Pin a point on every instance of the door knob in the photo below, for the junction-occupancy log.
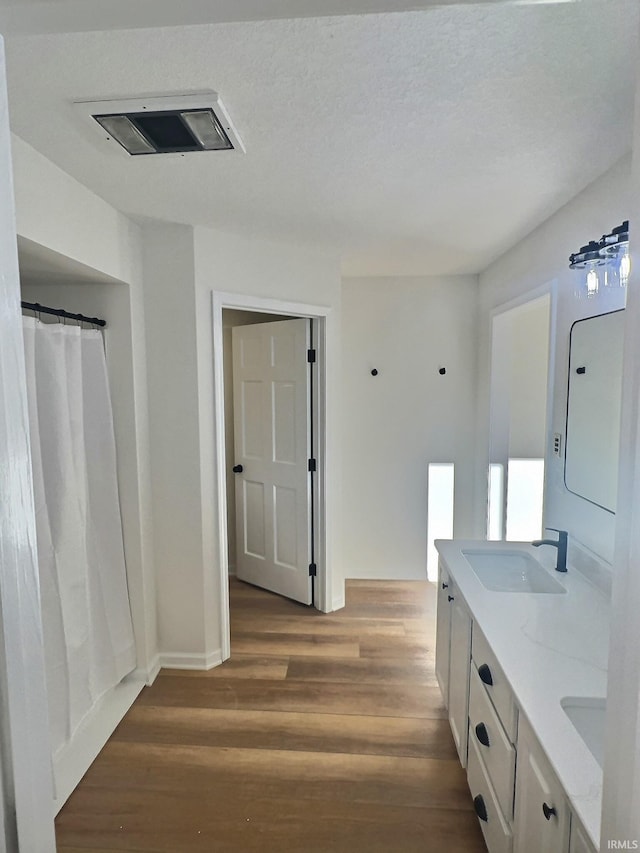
(238, 469)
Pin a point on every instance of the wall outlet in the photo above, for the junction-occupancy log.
(557, 444)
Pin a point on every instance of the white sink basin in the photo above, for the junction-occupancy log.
(587, 716)
(511, 571)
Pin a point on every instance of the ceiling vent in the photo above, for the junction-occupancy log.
(177, 125)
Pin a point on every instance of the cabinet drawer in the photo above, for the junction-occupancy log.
(497, 751)
(496, 831)
(498, 690)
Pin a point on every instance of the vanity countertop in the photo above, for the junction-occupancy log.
(549, 647)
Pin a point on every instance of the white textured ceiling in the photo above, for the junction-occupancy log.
(412, 143)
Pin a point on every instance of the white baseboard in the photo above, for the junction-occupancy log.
(338, 602)
(150, 674)
(179, 660)
(75, 758)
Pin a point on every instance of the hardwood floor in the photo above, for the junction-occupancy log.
(322, 734)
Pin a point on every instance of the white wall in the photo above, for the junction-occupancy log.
(297, 273)
(182, 266)
(27, 791)
(176, 466)
(164, 349)
(529, 364)
(409, 415)
(65, 220)
(621, 793)
(56, 211)
(518, 424)
(540, 258)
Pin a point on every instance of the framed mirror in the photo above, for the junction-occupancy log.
(593, 408)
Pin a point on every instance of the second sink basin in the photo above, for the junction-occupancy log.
(587, 715)
(511, 571)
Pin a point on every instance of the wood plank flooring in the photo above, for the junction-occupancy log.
(321, 734)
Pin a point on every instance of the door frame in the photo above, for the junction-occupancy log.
(321, 315)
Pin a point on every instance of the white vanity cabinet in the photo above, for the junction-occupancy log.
(459, 666)
(579, 842)
(453, 655)
(542, 817)
(492, 751)
(496, 830)
(533, 791)
(443, 633)
(494, 681)
(494, 747)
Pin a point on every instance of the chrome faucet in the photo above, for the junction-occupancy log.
(560, 544)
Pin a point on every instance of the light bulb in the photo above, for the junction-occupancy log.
(592, 283)
(610, 273)
(625, 268)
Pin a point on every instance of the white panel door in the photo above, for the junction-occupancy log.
(272, 449)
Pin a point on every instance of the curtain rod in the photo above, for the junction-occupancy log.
(60, 312)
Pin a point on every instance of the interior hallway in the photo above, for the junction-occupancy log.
(322, 734)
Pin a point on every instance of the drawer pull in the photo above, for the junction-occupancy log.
(479, 806)
(485, 674)
(548, 811)
(450, 597)
(482, 734)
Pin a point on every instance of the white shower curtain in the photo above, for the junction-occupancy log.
(88, 633)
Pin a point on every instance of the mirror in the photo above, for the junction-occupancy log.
(593, 408)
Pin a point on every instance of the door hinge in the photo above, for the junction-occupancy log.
(313, 570)
(311, 356)
(312, 465)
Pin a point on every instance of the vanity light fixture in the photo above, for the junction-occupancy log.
(615, 248)
(588, 258)
(606, 262)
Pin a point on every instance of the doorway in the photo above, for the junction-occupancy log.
(520, 359)
(236, 311)
(268, 375)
